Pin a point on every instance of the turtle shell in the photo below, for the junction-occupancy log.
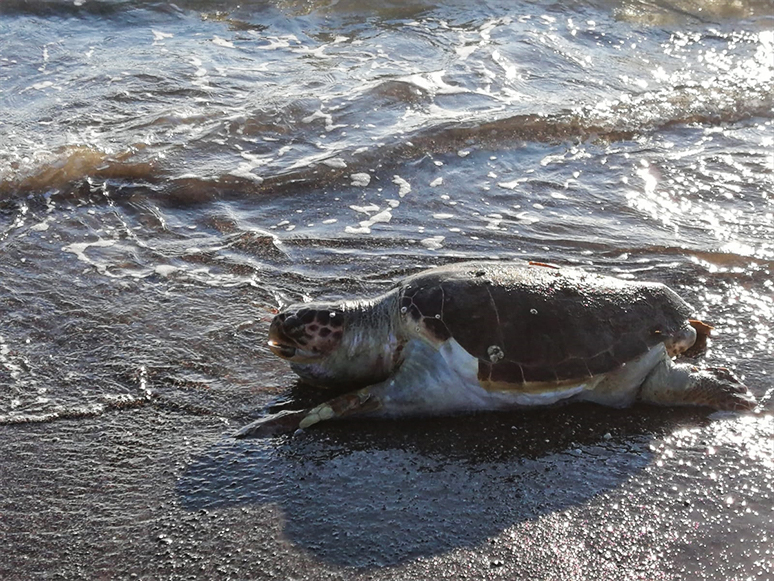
(536, 323)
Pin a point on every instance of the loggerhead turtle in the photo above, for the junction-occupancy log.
(497, 335)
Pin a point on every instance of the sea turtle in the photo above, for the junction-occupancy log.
(497, 335)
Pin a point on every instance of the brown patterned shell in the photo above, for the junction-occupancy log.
(535, 323)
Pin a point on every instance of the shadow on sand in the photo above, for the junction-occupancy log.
(378, 493)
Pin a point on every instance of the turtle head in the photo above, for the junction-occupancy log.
(304, 334)
(334, 345)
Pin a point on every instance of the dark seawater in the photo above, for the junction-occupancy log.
(172, 172)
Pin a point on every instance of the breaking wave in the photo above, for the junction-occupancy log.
(616, 120)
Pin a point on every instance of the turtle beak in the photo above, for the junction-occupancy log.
(282, 350)
(283, 332)
(279, 342)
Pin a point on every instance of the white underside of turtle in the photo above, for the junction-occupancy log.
(443, 381)
(494, 336)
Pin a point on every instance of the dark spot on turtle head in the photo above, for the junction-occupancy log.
(414, 313)
(324, 332)
(337, 335)
(313, 328)
(306, 315)
(293, 326)
(296, 333)
(324, 317)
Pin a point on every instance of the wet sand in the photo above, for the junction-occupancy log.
(572, 493)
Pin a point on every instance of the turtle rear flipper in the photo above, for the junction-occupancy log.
(717, 387)
(684, 384)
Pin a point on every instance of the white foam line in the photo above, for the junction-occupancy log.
(5, 361)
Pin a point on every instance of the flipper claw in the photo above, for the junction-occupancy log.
(318, 414)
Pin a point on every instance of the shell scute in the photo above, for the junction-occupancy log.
(437, 328)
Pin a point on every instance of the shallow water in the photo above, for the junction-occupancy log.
(170, 173)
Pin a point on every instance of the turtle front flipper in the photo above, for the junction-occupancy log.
(356, 402)
(684, 384)
(273, 425)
